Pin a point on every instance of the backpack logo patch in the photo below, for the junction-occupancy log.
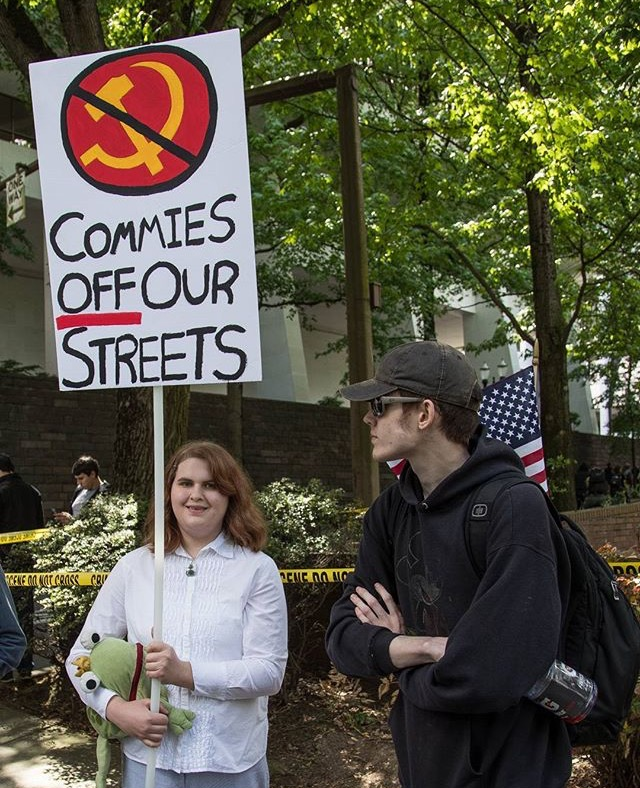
(479, 510)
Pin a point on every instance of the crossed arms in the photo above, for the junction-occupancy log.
(405, 651)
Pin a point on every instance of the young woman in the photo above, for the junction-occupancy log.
(224, 645)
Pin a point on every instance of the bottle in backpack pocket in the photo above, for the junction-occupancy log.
(564, 692)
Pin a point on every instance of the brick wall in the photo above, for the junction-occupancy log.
(45, 430)
(601, 449)
(617, 525)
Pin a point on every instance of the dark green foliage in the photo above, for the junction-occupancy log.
(10, 366)
(309, 526)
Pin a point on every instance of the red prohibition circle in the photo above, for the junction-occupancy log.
(140, 122)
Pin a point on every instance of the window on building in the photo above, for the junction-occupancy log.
(16, 121)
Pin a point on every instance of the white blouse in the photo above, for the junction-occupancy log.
(229, 620)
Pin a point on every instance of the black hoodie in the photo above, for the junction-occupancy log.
(20, 505)
(463, 721)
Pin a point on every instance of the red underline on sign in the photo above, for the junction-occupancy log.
(95, 319)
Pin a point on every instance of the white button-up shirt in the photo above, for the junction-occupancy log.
(229, 620)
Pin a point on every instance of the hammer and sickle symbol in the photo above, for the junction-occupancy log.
(147, 152)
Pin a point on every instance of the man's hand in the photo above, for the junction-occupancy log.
(63, 517)
(162, 663)
(136, 719)
(370, 611)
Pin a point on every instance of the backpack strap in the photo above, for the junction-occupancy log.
(479, 516)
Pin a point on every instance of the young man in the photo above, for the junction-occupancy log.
(465, 650)
(86, 472)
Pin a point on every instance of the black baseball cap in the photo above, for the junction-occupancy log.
(430, 369)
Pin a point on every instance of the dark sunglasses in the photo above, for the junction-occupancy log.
(378, 404)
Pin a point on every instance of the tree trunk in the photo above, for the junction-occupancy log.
(234, 420)
(176, 417)
(20, 38)
(133, 448)
(551, 334)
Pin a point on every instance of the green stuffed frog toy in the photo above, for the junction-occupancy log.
(119, 666)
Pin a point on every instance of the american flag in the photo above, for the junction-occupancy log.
(509, 410)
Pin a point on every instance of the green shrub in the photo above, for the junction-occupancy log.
(308, 523)
(108, 528)
(309, 526)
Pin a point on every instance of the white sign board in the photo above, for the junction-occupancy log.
(16, 202)
(147, 204)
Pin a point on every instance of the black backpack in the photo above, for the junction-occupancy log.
(601, 635)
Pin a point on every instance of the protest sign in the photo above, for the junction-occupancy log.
(147, 206)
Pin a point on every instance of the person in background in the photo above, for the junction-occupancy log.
(12, 639)
(597, 488)
(616, 482)
(465, 649)
(20, 510)
(224, 647)
(86, 472)
(582, 480)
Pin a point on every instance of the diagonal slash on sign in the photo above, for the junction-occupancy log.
(134, 123)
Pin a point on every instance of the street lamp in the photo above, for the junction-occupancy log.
(485, 372)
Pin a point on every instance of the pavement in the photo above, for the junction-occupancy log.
(38, 753)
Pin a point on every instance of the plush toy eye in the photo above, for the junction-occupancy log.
(90, 639)
(89, 681)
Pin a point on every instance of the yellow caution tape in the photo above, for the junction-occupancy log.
(51, 579)
(333, 575)
(313, 575)
(625, 568)
(23, 536)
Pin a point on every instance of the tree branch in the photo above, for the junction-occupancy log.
(81, 26)
(270, 23)
(294, 302)
(457, 254)
(466, 40)
(581, 292)
(21, 39)
(218, 15)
